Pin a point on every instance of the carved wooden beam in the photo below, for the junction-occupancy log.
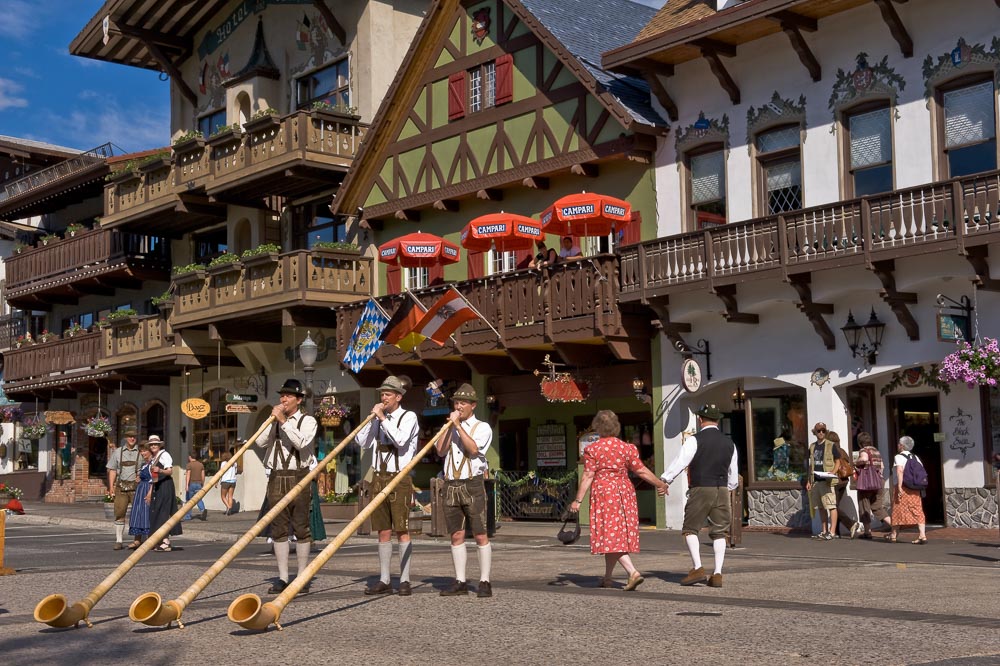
(490, 195)
(447, 205)
(896, 27)
(801, 49)
(977, 257)
(722, 48)
(152, 37)
(726, 81)
(814, 311)
(806, 23)
(331, 21)
(174, 73)
(897, 300)
(727, 294)
(536, 183)
(671, 329)
(585, 170)
(407, 215)
(661, 94)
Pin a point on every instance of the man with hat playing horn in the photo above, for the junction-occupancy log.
(290, 453)
(393, 434)
(710, 458)
(123, 469)
(465, 491)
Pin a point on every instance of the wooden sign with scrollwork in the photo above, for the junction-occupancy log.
(561, 386)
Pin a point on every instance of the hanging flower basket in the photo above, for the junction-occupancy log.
(330, 413)
(975, 364)
(11, 414)
(33, 429)
(330, 421)
(97, 426)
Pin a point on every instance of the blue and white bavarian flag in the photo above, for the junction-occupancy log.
(365, 341)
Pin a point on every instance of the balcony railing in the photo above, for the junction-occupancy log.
(955, 213)
(50, 361)
(145, 341)
(301, 277)
(53, 173)
(11, 328)
(84, 254)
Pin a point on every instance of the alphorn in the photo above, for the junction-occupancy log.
(150, 609)
(247, 610)
(54, 609)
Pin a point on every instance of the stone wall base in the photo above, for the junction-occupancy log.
(971, 507)
(778, 508)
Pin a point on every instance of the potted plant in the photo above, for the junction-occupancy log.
(20, 247)
(337, 246)
(125, 172)
(45, 336)
(339, 506)
(975, 364)
(109, 505)
(225, 134)
(23, 340)
(165, 301)
(33, 428)
(188, 273)
(262, 120)
(332, 113)
(73, 229)
(155, 161)
(74, 329)
(49, 238)
(10, 492)
(331, 414)
(97, 426)
(262, 254)
(224, 263)
(121, 316)
(189, 142)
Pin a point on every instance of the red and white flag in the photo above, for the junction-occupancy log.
(445, 316)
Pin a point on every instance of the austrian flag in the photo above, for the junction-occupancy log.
(445, 316)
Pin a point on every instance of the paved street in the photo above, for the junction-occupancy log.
(929, 604)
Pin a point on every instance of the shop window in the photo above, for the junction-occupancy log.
(706, 175)
(416, 278)
(968, 127)
(991, 423)
(502, 262)
(869, 152)
(331, 84)
(482, 87)
(778, 436)
(210, 123)
(215, 434)
(779, 162)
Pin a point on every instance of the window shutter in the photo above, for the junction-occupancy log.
(456, 95)
(632, 233)
(474, 261)
(435, 274)
(505, 79)
(393, 280)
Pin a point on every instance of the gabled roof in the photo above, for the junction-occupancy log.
(16, 146)
(676, 13)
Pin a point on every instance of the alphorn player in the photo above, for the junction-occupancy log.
(393, 434)
(465, 466)
(123, 470)
(290, 444)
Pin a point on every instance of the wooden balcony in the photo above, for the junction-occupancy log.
(12, 326)
(954, 216)
(92, 262)
(251, 300)
(51, 188)
(60, 367)
(568, 311)
(291, 156)
(145, 349)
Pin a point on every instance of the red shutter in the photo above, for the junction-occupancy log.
(393, 280)
(522, 258)
(475, 263)
(632, 233)
(505, 79)
(435, 274)
(457, 93)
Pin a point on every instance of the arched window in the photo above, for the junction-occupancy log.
(216, 433)
(242, 237)
(127, 415)
(154, 420)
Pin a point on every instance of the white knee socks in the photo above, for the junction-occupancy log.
(404, 560)
(384, 559)
(719, 546)
(119, 532)
(692, 543)
(281, 554)
(485, 561)
(458, 556)
(302, 555)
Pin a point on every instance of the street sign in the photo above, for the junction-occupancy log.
(241, 397)
(195, 408)
(240, 408)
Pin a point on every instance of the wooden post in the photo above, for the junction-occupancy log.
(438, 528)
(4, 571)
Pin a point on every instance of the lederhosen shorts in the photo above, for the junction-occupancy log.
(296, 514)
(125, 490)
(394, 512)
(465, 499)
(711, 503)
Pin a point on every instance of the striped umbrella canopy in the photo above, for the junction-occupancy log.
(586, 214)
(418, 250)
(503, 232)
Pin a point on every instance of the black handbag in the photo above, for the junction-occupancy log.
(570, 534)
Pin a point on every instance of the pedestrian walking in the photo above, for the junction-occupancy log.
(227, 484)
(164, 500)
(870, 484)
(844, 517)
(194, 480)
(907, 504)
(122, 466)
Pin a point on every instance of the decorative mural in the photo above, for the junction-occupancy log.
(703, 130)
(481, 24)
(864, 82)
(314, 37)
(961, 435)
(963, 55)
(776, 111)
(210, 82)
(916, 376)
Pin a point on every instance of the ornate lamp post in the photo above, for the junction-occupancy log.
(308, 351)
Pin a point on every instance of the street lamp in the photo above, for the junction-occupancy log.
(873, 331)
(308, 351)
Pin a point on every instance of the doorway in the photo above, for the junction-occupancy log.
(513, 445)
(920, 418)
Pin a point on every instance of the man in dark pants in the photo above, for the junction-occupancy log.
(290, 443)
(711, 460)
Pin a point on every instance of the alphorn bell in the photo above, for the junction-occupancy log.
(247, 610)
(150, 609)
(54, 610)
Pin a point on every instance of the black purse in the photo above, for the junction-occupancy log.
(569, 534)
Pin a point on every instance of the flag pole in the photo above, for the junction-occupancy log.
(473, 308)
(417, 301)
(380, 308)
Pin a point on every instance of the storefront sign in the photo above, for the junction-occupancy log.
(550, 445)
(59, 417)
(691, 375)
(195, 408)
(564, 389)
(241, 397)
(952, 327)
(240, 408)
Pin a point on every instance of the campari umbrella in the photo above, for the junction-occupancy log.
(502, 232)
(418, 250)
(586, 214)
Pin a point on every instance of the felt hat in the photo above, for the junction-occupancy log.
(393, 383)
(292, 387)
(465, 392)
(155, 439)
(779, 442)
(129, 431)
(710, 412)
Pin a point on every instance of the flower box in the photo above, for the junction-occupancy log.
(155, 165)
(189, 145)
(225, 138)
(190, 276)
(332, 116)
(261, 124)
(122, 177)
(261, 259)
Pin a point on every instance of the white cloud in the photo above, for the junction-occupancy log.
(132, 128)
(9, 97)
(27, 72)
(20, 19)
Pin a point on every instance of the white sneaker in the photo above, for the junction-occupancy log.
(855, 528)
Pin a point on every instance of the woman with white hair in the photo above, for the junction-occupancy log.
(907, 507)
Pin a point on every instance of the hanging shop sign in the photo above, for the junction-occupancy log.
(195, 408)
(240, 408)
(561, 386)
(691, 375)
(59, 417)
(240, 397)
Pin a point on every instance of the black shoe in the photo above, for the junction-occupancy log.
(278, 587)
(204, 515)
(378, 588)
(457, 588)
(405, 590)
(485, 589)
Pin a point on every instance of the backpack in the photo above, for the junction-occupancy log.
(914, 474)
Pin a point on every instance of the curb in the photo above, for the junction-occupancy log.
(103, 525)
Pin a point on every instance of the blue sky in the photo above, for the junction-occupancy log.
(48, 95)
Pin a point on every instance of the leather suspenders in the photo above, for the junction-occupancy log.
(456, 470)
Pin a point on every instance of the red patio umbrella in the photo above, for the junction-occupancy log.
(503, 232)
(586, 214)
(419, 249)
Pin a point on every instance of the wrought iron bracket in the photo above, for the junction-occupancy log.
(701, 348)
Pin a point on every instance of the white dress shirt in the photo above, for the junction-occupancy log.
(688, 449)
(290, 437)
(482, 434)
(398, 430)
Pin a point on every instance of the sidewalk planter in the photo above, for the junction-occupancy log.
(109, 510)
(336, 511)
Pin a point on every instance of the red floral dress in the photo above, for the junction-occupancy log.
(614, 512)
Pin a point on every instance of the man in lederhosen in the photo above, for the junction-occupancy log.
(290, 453)
(123, 468)
(393, 434)
(465, 464)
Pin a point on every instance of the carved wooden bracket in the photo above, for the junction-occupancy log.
(814, 311)
(408, 215)
(490, 195)
(727, 294)
(897, 300)
(447, 205)
(585, 170)
(711, 50)
(536, 183)
(661, 94)
(669, 328)
(792, 24)
(896, 27)
(174, 73)
(977, 257)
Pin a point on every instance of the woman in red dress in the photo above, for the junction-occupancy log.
(614, 512)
